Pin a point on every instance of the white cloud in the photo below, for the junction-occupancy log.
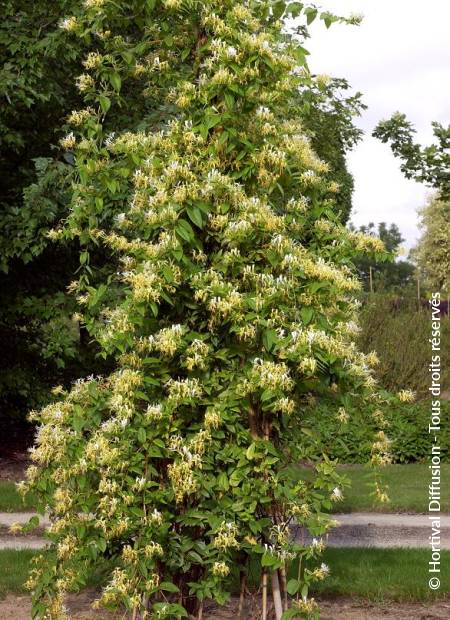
(399, 58)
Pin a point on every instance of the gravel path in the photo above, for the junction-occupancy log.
(354, 530)
(8, 518)
(387, 530)
(22, 542)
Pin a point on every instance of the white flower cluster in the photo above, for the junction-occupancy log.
(273, 376)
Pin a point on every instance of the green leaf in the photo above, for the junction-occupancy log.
(229, 101)
(278, 9)
(154, 308)
(142, 436)
(295, 8)
(311, 15)
(307, 314)
(250, 453)
(292, 586)
(222, 482)
(195, 215)
(289, 614)
(213, 120)
(168, 586)
(174, 609)
(184, 229)
(115, 80)
(38, 609)
(142, 395)
(268, 560)
(269, 339)
(105, 103)
(203, 129)
(101, 544)
(33, 522)
(328, 18)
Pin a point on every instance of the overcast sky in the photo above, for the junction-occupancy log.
(399, 58)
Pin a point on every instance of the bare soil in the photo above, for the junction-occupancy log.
(13, 466)
(19, 608)
(16, 437)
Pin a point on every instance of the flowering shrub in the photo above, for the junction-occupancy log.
(229, 303)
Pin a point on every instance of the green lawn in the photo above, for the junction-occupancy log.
(408, 488)
(11, 501)
(14, 566)
(370, 574)
(383, 574)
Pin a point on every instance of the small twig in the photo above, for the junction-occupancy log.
(242, 595)
(264, 595)
(200, 611)
(283, 580)
(276, 595)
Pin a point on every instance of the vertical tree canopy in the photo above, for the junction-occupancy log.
(227, 303)
(432, 251)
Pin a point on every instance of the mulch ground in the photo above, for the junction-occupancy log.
(19, 608)
(16, 437)
(13, 466)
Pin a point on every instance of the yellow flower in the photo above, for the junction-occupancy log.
(406, 396)
(16, 528)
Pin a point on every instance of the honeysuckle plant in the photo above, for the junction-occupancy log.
(230, 304)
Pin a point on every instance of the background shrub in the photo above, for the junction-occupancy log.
(398, 331)
(407, 428)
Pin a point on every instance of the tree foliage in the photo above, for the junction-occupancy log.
(430, 164)
(36, 89)
(432, 251)
(388, 275)
(328, 113)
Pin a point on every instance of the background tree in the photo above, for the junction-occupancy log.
(36, 91)
(430, 164)
(387, 275)
(328, 113)
(432, 253)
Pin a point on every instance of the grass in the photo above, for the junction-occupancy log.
(408, 488)
(14, 567)
(383, 574)
(11, 501)
(370, 574)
